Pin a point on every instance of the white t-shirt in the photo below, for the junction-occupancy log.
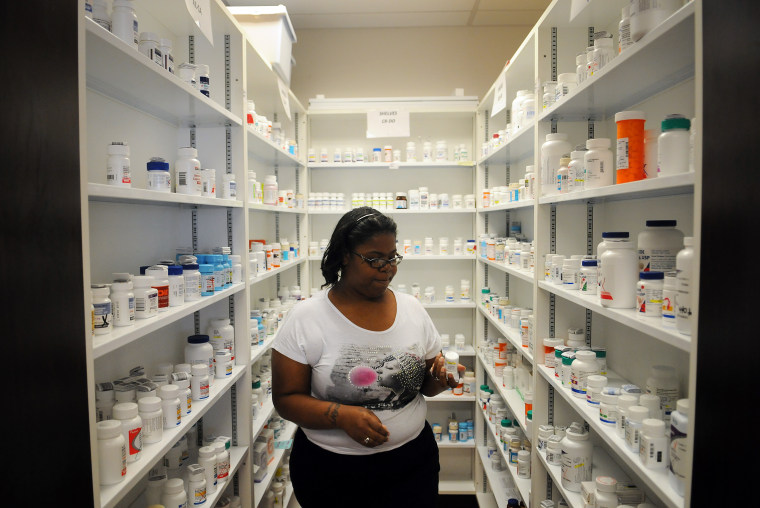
(382, 371)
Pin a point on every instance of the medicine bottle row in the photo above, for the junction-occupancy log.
(509, 251)
(522, 190)
(189, 177)
(267, 256)
(518, 319)
(261, 384)
(509, 370)
(428, 153)
(455, 431)
(270, 130)
(511, 447)
(264, 446)
(266, 319)
(641, 154)
(269, 193)
(429, 293)
(274, 496)
(654, 278)
(523, 113)
(414, 199)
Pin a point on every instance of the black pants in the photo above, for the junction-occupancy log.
(404, 477)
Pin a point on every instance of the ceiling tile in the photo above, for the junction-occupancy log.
(362, 6)
(317, 21)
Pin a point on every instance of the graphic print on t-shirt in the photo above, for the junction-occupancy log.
(377, 377)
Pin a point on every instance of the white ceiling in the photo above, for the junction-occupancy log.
(320, 14)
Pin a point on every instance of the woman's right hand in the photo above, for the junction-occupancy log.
(360, 423)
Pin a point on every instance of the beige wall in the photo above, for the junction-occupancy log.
(396, 62)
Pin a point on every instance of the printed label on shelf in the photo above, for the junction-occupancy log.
(283, 445)
(200, 11)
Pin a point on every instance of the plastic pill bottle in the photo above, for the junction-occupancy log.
(124, 23)
(554, 450)
(170, 406)
(131, 428)
(182, 380)
(597, 161)
(608, 411)
(584, 366)
(563, 183)
(618, 276)
(684, 264)
(103, 309)
(159, 177)
(634, 415)
(577, 453)
(123, 302)
(554, 148)
(523, 464)
(165, 45)
(658, 245)
(199, 383)
(187, 169)
(162, 286)
(118, 166)
(654, 444)
(630, 146)
(663, 382)
(204, 83)
(588, 283)
(199, 350)
(112, 452)
(149, 46)
(174, 494)
(192, 287)
(207, 279)
(207, 459)
(606, 492)
(649, 294)
(594, 385)
(176, 286)
(196, 485)
(149, 409)
(100, 14)
(679, 457)
(624, 402)
(571, 274)
(645, 15)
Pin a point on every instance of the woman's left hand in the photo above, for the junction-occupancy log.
(444, 380)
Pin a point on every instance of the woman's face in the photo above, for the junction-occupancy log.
(387, 371)
(359, 276)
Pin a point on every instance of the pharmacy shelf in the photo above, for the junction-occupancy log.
(511, 397)
(395, 211)
(527, 276)
(661, 59)
(456, 487)
(500, 492)
(273, 272)
(265, 412)
(237, 457)
(453, 305)
(112, 194)
(656, 480)
(519, 147)
(288, 495)
(387, 165)
(110, 495)
(120, 336)
(626, 317)
(522, 484)
(446, 443)
(268, 152)
(119, 71)
(274, 209)
(467, 351)
(514, 205)
(438, 257)
(511, 335)
(259, 350)
(447, 397)
(662, 186)
(259, 489)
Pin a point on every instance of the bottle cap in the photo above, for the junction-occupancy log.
(673, 122)
(661, 223)
(124, 410)
(651, 275)
(108, 429)
(149, 404)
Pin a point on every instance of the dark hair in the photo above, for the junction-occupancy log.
(353, 229)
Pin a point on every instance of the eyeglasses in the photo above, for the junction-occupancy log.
(380, 262)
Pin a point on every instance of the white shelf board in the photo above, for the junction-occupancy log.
(444, 305)
(445, 443)
(511, 397)
(110, 495)
(273, 209)
(661, 59)
(626, 317)
(517, 148)
(656, 480)
(509, 269)
(511, 335)
(265, 412)
(447, 397)
(514, 205)
(672, 185)
(273, 272)
(266, 151)
(237, 456)
(113, 194)
(258, 351)
(120, 336)
(387, 165)
(117, 70)
(439, 257)
(522, 484)
(395, 211)
(456, 487)
(259, 489)
(494, 478)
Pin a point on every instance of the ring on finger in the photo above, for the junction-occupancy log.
(366, 440)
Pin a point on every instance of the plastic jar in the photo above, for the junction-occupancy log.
(673, 146)
(598, 164)
(550, 346)
(679, 457)
(554, 148)
(669, 291)
(146, 297)
(684, 265)
(577, 453)
(165, 45)
(199, 382)
(401, 201)
(199, 350)
(221, 335)
(176, 286)
(565, 372)
(118, 167)
(658, 245)
(270, 190)
(650, 152)
(606, 492)
(608, 412)
(652, 403)
(576, 171)
(159, 177)
(549, 96)
(608, 237)
(170, 406)
(162, 286)
(112, 452)
(571, 274)
(649, 294)
(594, 385)
(517, 119)
(523, 464)
(584, 366)
(411, 152)
(646, 15)
(187, 170)
(624, 29)
(186, 72)
(196, 484)
(100, 14)
(103, 311)
(554, 450)
(563, 183)
(580, 67)
(603, 52)
(441, 151)
(624, 402)
(149, 46)
(131, 428)
(630, 146)
(182, 380)
(566, 83)
(634, 416)
(149, 409)
(229, 186)
(192, 287)
(124, 23)
(588, 277)
(653, 447)
(207, 460)
(663, 382)
(204, 83)
(618, 276)
(174, 494)
(528, 109)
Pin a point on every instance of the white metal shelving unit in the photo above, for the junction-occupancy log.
(657, 75)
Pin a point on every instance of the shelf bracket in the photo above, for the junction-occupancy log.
(233, 403)
(191, 49)
(548, 486)
(554, 54)
(227, 76)
(590, 133)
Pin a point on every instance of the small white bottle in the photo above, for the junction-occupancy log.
(131, 428)
(112, 452)
(618, 275)
(174, 495)
(588, 284)
(679, 467)
(555, 147)
(624, 402)
(523, 464)
(649, 294)
(123, 303)
(204, 83)
(669, 292)
(165, 45)
(563, 183)
(146, 297)
(182, 380)
(118, 168)
(634, 417)
(199, 383)
(598, 164)
(150, 411)
(605, 495)
(673, 146)
(103, 309)
(207, 459)
(608, 410)
(653, 446)
(624, 29)
(124, 22)
(585, 365)
(684, 264)
(222, 460)
(149, 46)
(196, 485)
(170, 406)
(663, 382)
(187, 170)
(577, 453)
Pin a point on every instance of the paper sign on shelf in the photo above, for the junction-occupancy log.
(388, 123)
(500, 94)
(200, 10)
(576, 6)
(283, 445)
(284, 96)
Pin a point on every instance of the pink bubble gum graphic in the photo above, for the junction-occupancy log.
(362, 376)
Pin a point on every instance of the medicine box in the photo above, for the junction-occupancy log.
(269, 30)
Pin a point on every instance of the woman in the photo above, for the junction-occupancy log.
(350, 366)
